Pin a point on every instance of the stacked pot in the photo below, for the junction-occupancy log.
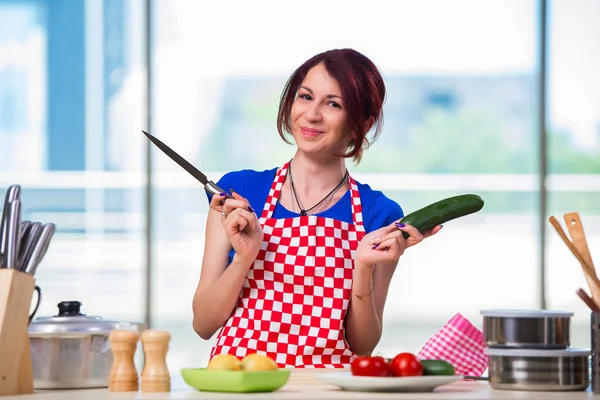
(530, 350)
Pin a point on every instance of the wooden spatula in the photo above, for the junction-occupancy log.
(573, 222)
(587, 300)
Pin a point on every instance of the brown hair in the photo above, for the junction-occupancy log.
(363, 91)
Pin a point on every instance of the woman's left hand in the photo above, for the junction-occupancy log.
(388, 243)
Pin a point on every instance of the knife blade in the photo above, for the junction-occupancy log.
(209, 186)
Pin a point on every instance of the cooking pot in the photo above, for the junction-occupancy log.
(527, 329)
(539, 369)
(71, 350)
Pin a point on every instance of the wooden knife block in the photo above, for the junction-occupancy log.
(16, 293)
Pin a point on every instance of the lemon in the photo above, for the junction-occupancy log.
(258, 362)
(224, 362)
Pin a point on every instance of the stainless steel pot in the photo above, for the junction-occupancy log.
(71, 350)
(540, 370)
(527, 329)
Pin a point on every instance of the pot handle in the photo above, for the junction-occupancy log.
(37, 304)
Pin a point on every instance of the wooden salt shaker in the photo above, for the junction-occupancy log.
(155, 375)
(123, 374)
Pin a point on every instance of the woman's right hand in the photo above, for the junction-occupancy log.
(241, 226)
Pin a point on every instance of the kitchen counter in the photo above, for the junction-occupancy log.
(180, 390)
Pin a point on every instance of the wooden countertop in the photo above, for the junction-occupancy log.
(465, 390)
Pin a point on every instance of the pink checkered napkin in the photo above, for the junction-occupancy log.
(459, 343)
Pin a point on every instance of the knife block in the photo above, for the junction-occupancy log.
(16, 293)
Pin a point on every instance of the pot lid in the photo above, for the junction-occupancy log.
(571, 352)
(526, 313)
(70, 320)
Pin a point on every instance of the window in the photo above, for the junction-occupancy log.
(71, 106)
(573, 150)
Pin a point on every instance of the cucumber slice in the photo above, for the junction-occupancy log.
(437, 367)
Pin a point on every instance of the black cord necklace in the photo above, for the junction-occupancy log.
(303, 211)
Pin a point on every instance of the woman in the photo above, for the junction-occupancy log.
(304, 279)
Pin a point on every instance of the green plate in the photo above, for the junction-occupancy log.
(235, 381)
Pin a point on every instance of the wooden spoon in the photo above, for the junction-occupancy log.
(587, 269)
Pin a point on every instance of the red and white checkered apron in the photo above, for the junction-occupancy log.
(296, 294)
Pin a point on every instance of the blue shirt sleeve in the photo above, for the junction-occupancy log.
(381, 212)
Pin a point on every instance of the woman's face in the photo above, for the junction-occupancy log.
(319, 121)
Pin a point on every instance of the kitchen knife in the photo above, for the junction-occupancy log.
(41, 248)
(13, 234)
(209, 186)
(32, 239)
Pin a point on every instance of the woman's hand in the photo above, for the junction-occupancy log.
(388, 244)
(241, 225)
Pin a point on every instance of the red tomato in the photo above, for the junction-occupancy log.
(406, 364)
(370, 366)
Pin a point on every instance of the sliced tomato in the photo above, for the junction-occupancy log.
(370, 366)
(406, 364)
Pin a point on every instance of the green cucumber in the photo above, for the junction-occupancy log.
(443, 211)
(437, 367)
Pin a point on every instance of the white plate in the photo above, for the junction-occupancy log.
(347, 381)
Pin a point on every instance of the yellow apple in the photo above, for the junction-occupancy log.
(224, 362)
(258, 362)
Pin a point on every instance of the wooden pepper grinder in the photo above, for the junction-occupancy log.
(155, 375)
(123, 374)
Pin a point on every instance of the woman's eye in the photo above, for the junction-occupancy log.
(334, 104)
(305, 96)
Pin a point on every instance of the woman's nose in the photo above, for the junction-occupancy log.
(313, 113)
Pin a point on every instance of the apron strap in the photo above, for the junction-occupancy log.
(275, 192)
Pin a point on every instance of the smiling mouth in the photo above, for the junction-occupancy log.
(310, 132)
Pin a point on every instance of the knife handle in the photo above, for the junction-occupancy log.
(33, 237)
(212, 189)
(41, 248)
(13, 193)
(13, 234)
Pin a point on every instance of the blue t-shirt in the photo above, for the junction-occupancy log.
(377, 209)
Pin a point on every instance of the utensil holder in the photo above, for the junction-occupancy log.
(16, 292)
(595, 339)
